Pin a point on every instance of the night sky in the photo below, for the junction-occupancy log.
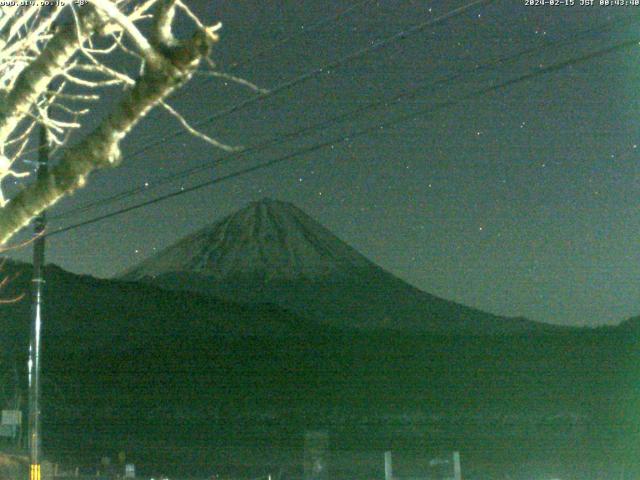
(521, 201)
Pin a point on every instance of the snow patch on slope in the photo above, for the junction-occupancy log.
(266, 240)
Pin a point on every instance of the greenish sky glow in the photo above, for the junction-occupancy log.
(523, 201)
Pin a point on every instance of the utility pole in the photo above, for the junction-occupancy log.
(388, 466)
(457, 471)
(35, 440)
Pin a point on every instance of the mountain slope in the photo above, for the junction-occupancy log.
(271, 251)
(162, 374)
(266, 241)
(85, 312)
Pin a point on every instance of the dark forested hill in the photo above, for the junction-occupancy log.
(184, 382)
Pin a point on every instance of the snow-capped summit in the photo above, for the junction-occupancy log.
(266, 240)
(272, 252)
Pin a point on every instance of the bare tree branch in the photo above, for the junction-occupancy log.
(196, 133)
(34, 80)
(171, 65)
(139, 40)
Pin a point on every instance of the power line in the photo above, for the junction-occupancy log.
(304, 77)
(406, 94)
(260, 53)
(320, 70)
(319, 146)
(319, 24)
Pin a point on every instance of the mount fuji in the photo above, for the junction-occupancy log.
(273, 252)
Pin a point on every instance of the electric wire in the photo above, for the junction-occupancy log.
(381, 43)
(319, 24)
(262, 52)
(288, 38)
(303, 78)
(334, 141)
(286, 137)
